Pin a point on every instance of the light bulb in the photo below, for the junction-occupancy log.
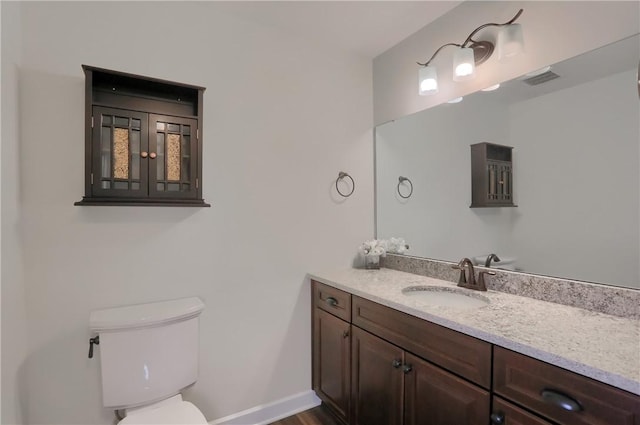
(427, 81)
(463, 64)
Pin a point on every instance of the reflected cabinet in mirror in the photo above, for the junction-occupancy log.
(575, 134)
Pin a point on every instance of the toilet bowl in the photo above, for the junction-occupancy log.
(148, 355)
(172, 411)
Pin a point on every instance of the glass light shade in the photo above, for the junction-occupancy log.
(427, 81)
(510, 42)
(464, 66)
(492, 88)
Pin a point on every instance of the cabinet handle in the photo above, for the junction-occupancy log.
(332, 301)
(497, 419)
(396, 363)
(407, 368)
(144, 154)
(152, 155)
(345, 334)
(560, 400)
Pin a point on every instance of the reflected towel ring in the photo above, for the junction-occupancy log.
(401, 180)
(341, 176)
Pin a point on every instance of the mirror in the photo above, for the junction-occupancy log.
(576, 173)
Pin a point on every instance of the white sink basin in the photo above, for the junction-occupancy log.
(446, 297)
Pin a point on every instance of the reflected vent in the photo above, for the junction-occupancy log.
(542, 78)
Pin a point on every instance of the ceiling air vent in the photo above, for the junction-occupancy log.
(542, 78)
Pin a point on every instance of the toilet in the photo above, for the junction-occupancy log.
(148, 355)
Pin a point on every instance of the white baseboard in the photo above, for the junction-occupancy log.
(271, 412)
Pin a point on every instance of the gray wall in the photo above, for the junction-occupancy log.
(281, 117)
(14, 308)
(577, 181)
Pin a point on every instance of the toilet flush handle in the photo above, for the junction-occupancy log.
(96, 341)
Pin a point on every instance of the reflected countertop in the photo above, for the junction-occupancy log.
(603, 347)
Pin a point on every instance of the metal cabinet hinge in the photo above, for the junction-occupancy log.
(92, 121)
(91, 178)
(197, 134)
(196, 183)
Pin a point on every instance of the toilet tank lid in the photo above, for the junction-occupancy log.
(145, 315)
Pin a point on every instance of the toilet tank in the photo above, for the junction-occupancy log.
(148, 352)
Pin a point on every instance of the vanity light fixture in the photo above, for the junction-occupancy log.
(471, 53)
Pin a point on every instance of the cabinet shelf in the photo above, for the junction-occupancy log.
(113, 202)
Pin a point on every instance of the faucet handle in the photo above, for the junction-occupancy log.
(481, 283)
(462, 279)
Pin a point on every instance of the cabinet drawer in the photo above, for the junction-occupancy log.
(332, 300)
(523, 380)
(508, 414)
(461, 354)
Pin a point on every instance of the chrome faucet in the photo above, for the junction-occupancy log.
(466, 269)
(493, 257)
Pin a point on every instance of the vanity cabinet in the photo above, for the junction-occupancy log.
(394, 387)
(377, 380)
(374, 365)
(391, 382)
(505, 413)
(491, 175)
(436, 397)
(559, 395)
(331, 374)
(143, 140)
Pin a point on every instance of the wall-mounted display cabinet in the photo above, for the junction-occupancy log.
(143, 141)
(491, 175)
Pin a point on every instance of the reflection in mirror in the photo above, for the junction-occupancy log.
(576, 178)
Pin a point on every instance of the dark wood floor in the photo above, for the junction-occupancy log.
(317, 416)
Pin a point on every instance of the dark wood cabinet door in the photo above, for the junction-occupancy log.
(332, 362)
(377, 380)
(119, 145)
(173, 151)
(505, 413)
(434, 396)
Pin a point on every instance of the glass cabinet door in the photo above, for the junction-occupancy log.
(119, 151)
(172, 157)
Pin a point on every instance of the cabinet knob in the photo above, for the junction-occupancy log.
(396, 363)
(152, 155)
(497, 419)
(144, 154)
(345, 334)
(407, 368)
(330, 300)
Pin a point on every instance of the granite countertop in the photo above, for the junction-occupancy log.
(603, 347)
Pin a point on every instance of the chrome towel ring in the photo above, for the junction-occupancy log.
(341, 176)
(401, 180)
